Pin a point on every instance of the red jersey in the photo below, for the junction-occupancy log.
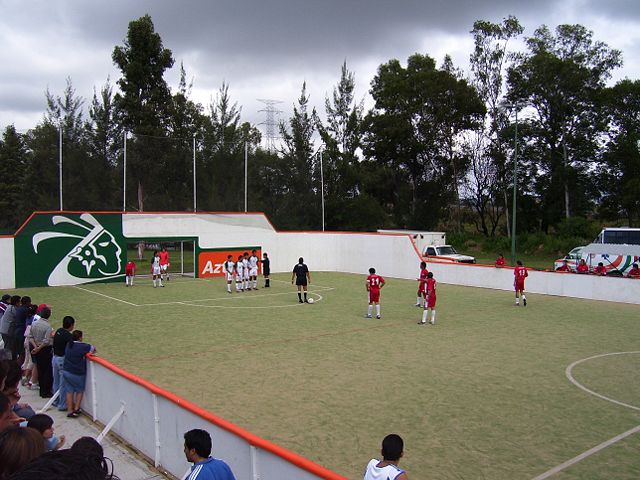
(520, 273)
(423, 275)
(130, 268)
(563, 268)
(600, 270)
(500, 262)
(582, 268)
(374, 282)
(634, 273)
(431, 286)
(164, 257)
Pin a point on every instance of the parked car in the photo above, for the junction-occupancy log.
(446, 252)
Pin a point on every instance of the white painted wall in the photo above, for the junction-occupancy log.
(7, 263)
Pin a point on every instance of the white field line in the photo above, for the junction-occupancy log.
(586, 454)
(195, 303)
(106, 296)
(603, 445)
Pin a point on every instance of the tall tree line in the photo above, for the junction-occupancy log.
(435, 151)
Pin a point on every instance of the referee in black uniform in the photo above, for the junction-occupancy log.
(302, 278)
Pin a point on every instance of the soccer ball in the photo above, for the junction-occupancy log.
(310, 300)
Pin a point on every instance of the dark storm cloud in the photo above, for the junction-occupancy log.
(262, 49)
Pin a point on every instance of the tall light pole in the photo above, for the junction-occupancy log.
(516, 106)
(124, 173)
(194, 173)
(322, 188)
(60, 161)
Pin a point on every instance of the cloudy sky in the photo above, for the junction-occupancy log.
(265, 49)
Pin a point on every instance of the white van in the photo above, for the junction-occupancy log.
(617, 259)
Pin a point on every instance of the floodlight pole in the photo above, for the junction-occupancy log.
(60, 161)
(246, 155)
(124, 174)
(194, 174)
(322, 188)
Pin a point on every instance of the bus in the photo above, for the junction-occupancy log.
(619, 235)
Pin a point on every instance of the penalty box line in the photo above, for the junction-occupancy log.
(188, 302)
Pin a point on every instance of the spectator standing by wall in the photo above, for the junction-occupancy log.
(74, 372)
(197, 449)
(4, 303)
(18, 446)
(42, 351)
(7, 323)
(61, 339)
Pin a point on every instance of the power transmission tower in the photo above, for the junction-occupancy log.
(270, 123)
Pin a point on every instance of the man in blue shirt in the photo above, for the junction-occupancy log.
(197, 448)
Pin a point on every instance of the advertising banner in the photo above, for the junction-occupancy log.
(211, 262)
(70, 249)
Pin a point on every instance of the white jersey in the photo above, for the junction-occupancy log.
(253, 266)
(239, 270)
(388, 472)
(245, 263)
(155, 265)
(228, 269)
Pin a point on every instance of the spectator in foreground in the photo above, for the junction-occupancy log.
(18, 447)
(44, 424)
(387, 468)
(67, 464)
(634, 272)
(11, 390)
(8, 418)
(88, 446)
(42, 352)
(197, 448)
(61, 339)
(75, 372)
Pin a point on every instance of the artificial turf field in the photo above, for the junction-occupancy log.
(481, 395)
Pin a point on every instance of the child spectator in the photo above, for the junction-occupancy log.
(18, 447)
(75, 372)
(44, 424)
(27, 365)
(387, 468)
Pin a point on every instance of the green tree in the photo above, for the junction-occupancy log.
(619, 174)
(341, 135)
(105, 145)
(561, 78)
(489, 177)
(301, 208)
(143, 103)
(15, 199)
(411, 135)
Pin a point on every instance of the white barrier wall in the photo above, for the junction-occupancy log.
(154, 422)
(7, 263)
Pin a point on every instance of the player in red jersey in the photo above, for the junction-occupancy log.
(164, 263)
(520, 273)
(600, 270)
(634, 272)
(422, 279)
(582, 267)
(500, 261)
(374, 284)
(129, 272)
(430, 300)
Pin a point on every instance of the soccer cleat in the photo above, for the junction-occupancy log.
(367, 316)
(422, 323)
(433, 322)
(300, 301)
(524, 302)
(418, 305)
(378, 317)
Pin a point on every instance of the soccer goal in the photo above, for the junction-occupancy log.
(181, 254)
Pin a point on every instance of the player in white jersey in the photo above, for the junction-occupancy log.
(229, 267)
(253, 269)
(245, 262)
(240, 270)
(387, 468)
(155, 270)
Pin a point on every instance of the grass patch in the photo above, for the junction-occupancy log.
(482, 394)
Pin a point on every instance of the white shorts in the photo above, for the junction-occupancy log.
(238, 278)
(156, 270)
(246, 275)
(229, 276)
(253, 272)
(164, 267)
